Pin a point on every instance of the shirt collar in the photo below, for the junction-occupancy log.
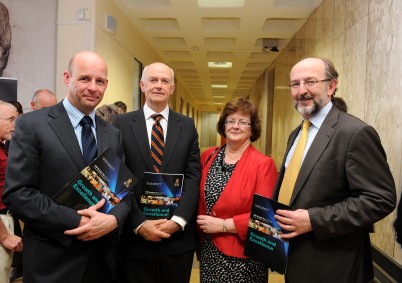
(319, 117)
(76, 115)
(148, 112)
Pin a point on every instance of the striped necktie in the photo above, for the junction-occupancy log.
(89, 148)
(291, 173)
(157, 143)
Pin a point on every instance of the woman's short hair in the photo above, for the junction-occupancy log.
(108, 112)
(244, 106)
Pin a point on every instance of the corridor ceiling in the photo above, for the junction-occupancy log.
(188, 34)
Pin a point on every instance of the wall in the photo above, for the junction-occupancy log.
(119, 49)
(32, 55)
(364, 41)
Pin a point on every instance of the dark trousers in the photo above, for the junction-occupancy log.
(17, 258)
(158, 267)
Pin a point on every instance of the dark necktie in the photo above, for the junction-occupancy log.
(157, 143)
(89, 148)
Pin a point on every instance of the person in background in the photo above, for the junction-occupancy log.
(339, 103)
(9, 242)
(46, 152)
(17, 266)
(121, 105)
(43, 98)
(161, 250)
(18, 106)
(231, 175)
(108, 112)
(343, 186)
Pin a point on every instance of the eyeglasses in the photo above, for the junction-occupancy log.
(9, 119)
(241, 123)
(307, 84)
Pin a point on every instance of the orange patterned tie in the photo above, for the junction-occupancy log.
(157, 143)
(291, 173)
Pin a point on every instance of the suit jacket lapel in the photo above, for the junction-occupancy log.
(318, 146)
(101, 135)
(172, 136)
(139, 130)
(61, 125)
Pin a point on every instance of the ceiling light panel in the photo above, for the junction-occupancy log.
(219, 86)
(224, 65)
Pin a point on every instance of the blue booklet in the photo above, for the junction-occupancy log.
(161, 194)
(263, 242)
(105, 177)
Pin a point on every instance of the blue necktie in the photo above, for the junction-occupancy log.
(157, 143)
(89, 148)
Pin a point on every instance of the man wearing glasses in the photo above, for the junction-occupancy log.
(9, 243)
(341, 186)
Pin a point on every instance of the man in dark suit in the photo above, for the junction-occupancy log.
(63, 245)
(344, 185)
(161, 250)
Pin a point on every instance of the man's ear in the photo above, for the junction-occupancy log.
(332, 87)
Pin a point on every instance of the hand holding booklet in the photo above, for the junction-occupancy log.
(161, 194)
(105, 177)
(263, 242)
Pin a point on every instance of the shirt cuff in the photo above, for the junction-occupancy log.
(139, 226)
(179, 221)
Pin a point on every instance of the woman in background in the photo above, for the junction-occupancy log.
(231, 175)
(108, 112)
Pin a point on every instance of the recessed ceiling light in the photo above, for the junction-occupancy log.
(219, 86)
(220, 64)
(220, 3)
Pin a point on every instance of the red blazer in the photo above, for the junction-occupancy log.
(254, 173)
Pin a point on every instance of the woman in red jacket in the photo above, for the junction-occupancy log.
(231, 175)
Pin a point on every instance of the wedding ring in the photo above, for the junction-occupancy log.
(290, 228)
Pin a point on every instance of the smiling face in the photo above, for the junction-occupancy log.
(86, 80)
(309, 100)
(238, 132)
(157, 83)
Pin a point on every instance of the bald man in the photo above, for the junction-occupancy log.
(46, 152)
(43, 98)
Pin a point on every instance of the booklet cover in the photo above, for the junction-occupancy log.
(105, 177)
(263, 242)
(161, 194)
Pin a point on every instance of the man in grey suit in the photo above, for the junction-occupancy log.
(61, 244)
(344, 185)
(160, 250)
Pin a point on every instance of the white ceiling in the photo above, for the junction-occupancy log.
(188, 36)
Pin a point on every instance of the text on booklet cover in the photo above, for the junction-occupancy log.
(263, 242)
(106, 177)
(161, 194)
